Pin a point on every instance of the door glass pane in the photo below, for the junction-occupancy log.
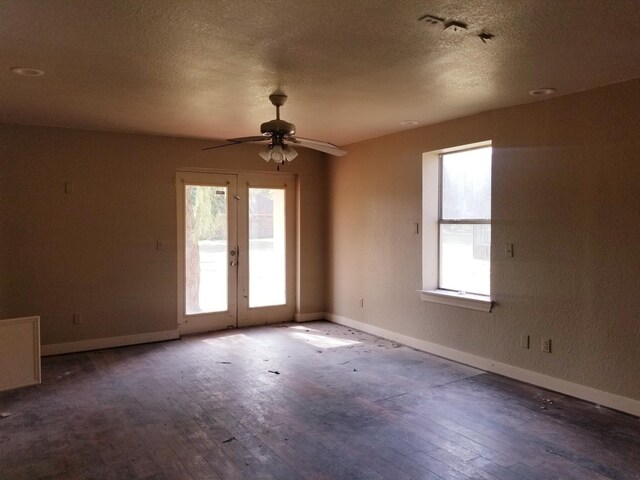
(267, 264)
(466, 184)
(465, 251)
(206, 245)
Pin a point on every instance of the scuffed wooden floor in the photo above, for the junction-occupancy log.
(343, 405)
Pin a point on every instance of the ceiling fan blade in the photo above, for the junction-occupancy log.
(257, 138)
(325, 147)
(236, 141)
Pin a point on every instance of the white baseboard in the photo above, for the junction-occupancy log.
(600, 397)
(109, 342)
(309, 317)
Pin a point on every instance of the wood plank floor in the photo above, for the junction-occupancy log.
(310, 401)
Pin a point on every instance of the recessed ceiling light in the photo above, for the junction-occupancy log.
(27, 72)
(409, 122)
(538, 92)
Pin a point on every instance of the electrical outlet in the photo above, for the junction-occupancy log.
(361, 302)
(546, 345)
(524, 340)
(77, 318)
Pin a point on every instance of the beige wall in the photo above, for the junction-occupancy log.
(94, 251)
(566, 193)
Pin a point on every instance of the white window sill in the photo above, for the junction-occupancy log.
(462, 300)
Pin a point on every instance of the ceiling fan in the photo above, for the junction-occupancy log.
(279, 133)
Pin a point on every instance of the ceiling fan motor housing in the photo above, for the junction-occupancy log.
(278, 133)
(277, 127)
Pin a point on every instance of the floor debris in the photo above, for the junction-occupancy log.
(5, 414)
(274, 371)
(228, 440)
(225, 363)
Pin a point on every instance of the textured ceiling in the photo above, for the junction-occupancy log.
(352, 69)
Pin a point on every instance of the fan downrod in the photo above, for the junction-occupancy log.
(277, 128)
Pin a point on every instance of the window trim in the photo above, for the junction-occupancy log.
(471, 301)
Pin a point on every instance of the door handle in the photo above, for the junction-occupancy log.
(233, 264)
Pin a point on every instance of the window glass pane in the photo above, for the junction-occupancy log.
(465, 257)
(206, 245)
(267, 266)
(466, 184)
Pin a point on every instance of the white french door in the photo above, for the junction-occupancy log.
(236, 250)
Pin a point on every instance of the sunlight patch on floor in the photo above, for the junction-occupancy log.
(306, 329)
(235, 339)
(323, 341)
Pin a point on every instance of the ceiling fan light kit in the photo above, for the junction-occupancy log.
(277, 132)
(278, 154)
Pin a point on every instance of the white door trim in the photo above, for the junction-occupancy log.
(239, 313)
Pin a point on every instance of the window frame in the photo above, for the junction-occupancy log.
(457, 221)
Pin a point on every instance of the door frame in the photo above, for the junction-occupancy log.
(239, 313)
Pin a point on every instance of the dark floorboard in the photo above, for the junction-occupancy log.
(342, 405)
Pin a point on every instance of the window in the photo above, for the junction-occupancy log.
(465, 221)
(456, 226)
